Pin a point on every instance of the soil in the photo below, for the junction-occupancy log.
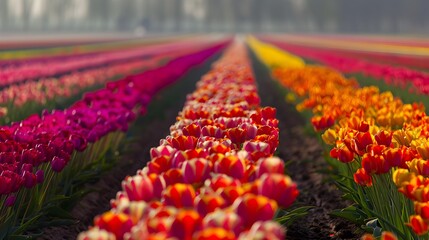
(304, 157)
(302, 152)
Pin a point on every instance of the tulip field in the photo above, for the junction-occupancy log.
(255, 137)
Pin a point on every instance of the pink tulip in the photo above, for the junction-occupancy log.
(138, 188)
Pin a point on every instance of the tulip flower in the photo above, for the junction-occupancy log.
(278, 187)
(196, 170)
(116, 223)
(253, 208)
(192, 130)
(185, 224)
(179, 195)
(221, 181)
(418, 225)
(270, 165)
(362, 178)
(159, 164)
(208, 203)
(138, 188)
(162, 151)
(184, 142)
(231, 166)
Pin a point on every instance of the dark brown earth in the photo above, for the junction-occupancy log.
(304, 156)
(301, 150)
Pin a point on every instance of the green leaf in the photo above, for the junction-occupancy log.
(291, 216)
(22, 228)
(352, 214)
(5, 227)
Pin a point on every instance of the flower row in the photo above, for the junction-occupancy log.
(214, 176)
(34, 150)
(367, 135)
(45, 90)
(400, 76)
(16, 73)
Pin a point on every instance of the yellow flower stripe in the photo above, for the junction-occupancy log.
(274, 57)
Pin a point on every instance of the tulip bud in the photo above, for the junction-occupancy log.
(221, 181)
(162, 151)
(208, 203)
(362, 178)
(159, 164)
(10, 201)
(116, 223)
(179, 195)
(138, 188)
(58, 164)
(270, 165)
(231, 166)
(253, 208)
(278, 187)
(418, 225)
(196, 170)
(30, 179)
(185, 224)
(40, 176)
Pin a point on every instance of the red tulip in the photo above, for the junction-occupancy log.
(159, 164)
(268, 112)
(185, 224)
(422, 209)
(184, 142)
(179, 195)
(384, 138)
(231, 166)
(138, 188)
(237, 135)
(212, 131)
(196, 170)
(173, 176)
(208, 203)
(258, 147)
(164, 150)
(343, 154)
(116, 223)
(231, 193)
(278, 187)
(270, 165)
(253, 208)
(221, 181)
(362, 178)
(418, 225)
(192, 130)
(374, 161)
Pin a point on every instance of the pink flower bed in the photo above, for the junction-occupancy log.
(35, 150)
